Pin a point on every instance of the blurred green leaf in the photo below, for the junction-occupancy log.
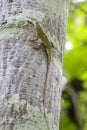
(75, 63)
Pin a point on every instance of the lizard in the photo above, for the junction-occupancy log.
(48, 47)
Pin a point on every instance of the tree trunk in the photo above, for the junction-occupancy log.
(29, 96)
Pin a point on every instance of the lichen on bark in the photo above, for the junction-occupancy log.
(27, 116)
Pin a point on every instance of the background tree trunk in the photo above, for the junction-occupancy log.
(23, 69)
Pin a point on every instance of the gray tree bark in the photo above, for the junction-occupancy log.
(23, 69)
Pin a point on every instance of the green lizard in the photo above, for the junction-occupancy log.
(48, 46)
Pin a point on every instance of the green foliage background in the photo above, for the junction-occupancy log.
(75, 66)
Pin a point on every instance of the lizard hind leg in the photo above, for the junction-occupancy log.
(51, 44)
(33, 40)
(38, 45)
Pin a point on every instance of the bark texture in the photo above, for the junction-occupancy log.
(23, 69)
